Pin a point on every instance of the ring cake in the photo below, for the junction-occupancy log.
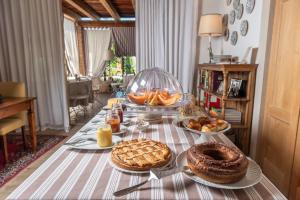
(217, 162)
(140, 154)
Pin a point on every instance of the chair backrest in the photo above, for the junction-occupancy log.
(14, 89)
(79, 88)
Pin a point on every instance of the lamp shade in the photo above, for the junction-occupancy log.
(109, 55)
(210, 25)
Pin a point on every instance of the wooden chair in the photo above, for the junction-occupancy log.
(79, 95)
(9, 124)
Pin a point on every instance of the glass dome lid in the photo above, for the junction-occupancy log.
(154, 87)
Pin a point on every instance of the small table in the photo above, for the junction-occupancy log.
(14, 105)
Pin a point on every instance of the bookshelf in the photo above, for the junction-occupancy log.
(239, 107)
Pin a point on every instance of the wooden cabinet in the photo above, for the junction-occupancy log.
(279, 143)
(244, 104)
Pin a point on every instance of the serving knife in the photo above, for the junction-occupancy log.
(155, 174)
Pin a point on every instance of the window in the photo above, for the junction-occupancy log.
(116, 70)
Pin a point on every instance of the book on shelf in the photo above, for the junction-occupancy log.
(209, 100)
(231, 115)
(217, 78)
(204, 79)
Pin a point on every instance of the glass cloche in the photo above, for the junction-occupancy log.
(154, 87)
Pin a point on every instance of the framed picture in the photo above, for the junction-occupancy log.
(237, 88)
(253, 55)
(220, 88)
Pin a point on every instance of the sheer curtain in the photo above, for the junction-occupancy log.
(32, 51)
(71, 49)
(166, 37)
(124, 39)
(96, 44)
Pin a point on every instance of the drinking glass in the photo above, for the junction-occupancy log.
(118, 108)
(113, 119)
(187, 107)
(104, 135)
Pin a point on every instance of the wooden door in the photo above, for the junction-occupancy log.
(282, 100)
(295, 178)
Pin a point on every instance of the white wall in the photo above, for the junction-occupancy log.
(257, 37)
(224, 47)
(209, 6)
(262, 60)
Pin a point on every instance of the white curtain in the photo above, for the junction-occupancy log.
(96, 44)
(71, 49)
(32, 51)
(166, 37)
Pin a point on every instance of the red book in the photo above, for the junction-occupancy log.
(214, 101)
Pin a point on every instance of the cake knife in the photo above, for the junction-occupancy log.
(155, 174)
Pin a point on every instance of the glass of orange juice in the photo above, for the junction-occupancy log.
(104, 135)
(113, 119)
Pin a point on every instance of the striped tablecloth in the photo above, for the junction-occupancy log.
(70, 174)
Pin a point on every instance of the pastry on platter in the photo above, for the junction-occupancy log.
(204, 124)
(141, 154)
(209, 128)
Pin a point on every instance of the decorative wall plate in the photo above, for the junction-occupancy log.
(232, 17)
(236, 3)
(225, 20)
(239, 11)
(234, 38)
(250, 6)
(226, 34)
(228, 2)
(244, 28)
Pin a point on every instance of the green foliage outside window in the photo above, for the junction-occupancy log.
(114, 67)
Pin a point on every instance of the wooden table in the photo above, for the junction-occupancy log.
(14, 105)
(82, 174)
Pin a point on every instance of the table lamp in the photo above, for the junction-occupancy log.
(210, 26)
(108, 56)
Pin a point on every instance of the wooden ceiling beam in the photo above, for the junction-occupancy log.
(70, 14)
(110, 9)
(69, 18)
(103, 24)
(83, 8)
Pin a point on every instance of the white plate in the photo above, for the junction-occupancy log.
(126, 122)
(143, 127)
(93, 131)
(98, 121)
(123, 129)
(176, 121)
(106, 108)
(186, 121)
(253, 175)
(92, 145)
(133, 171)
